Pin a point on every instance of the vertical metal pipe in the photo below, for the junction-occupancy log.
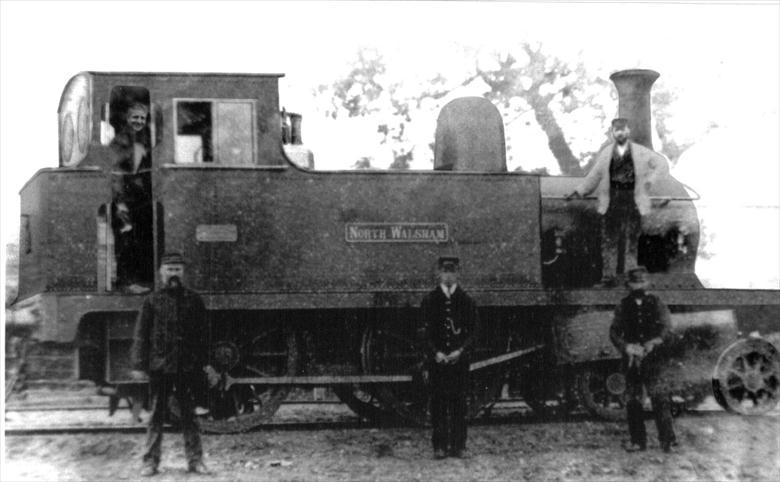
(286, 134)
(633, 88)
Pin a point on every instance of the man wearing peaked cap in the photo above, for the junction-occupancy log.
(451, 322)
(449, 263)
(172, 258)
(641, 325)
(170, 344)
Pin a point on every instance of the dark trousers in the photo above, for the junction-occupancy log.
(620, 228)
(161, 387)
(134, 248)
(449, 384)
(636, 379)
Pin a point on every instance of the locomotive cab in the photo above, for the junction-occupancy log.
(73, 231)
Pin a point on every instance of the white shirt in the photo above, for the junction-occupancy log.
(622, 149)
(448, 291)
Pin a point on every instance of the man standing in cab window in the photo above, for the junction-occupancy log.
(132, 201)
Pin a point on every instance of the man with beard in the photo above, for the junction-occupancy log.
(170, 344)
(132, 196)
(642, 325)
(451, 322)
(622, 177)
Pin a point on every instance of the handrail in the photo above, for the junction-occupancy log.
(692, 189)
(666, 199)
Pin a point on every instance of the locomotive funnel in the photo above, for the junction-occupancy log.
(633, 88)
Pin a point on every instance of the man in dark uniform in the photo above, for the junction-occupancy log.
(170, 344)
(132, 196)
(621, 177)
(451, 322)
(641, 326)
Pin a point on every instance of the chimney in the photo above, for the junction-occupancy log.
(295, 121)
(633, 88)
(294, 148)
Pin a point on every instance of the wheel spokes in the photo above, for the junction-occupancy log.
(239, 407)
(747, 374)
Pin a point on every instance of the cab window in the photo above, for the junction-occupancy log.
(214, 131)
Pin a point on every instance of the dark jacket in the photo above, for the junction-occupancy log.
(129, 185)
(450, 324)
(171, 333)
(640, 322)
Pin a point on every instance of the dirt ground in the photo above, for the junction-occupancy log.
(713, 446)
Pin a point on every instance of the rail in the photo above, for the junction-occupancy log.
(503, 411)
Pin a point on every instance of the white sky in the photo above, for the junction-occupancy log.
(723, 59)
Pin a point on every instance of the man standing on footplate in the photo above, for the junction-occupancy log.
(621, 178)
(451, 323)
(170, 344)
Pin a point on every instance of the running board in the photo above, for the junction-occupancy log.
(503, 358)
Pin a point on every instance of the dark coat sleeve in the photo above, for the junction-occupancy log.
(617, 330)
(200, 321)
(428, 327)
(120, 152)
(474, 326)
(139, 354)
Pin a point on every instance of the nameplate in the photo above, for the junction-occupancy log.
(396, 233)
(216, 233)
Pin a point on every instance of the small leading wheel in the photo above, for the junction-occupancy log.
(602, 391)
(747, 377)
(240, 407)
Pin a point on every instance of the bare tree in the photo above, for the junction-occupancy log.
(526, 80)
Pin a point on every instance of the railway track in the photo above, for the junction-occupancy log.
(340, 418)
(497, 418)
(38, 407)
(43, 414)
(141, 428)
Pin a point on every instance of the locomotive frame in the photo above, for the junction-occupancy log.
(312, 278)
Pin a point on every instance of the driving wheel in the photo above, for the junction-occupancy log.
(602, 391)
(237, 407)
(548, 394)
(390, 350)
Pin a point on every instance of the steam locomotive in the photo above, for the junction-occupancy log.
(314, 278)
